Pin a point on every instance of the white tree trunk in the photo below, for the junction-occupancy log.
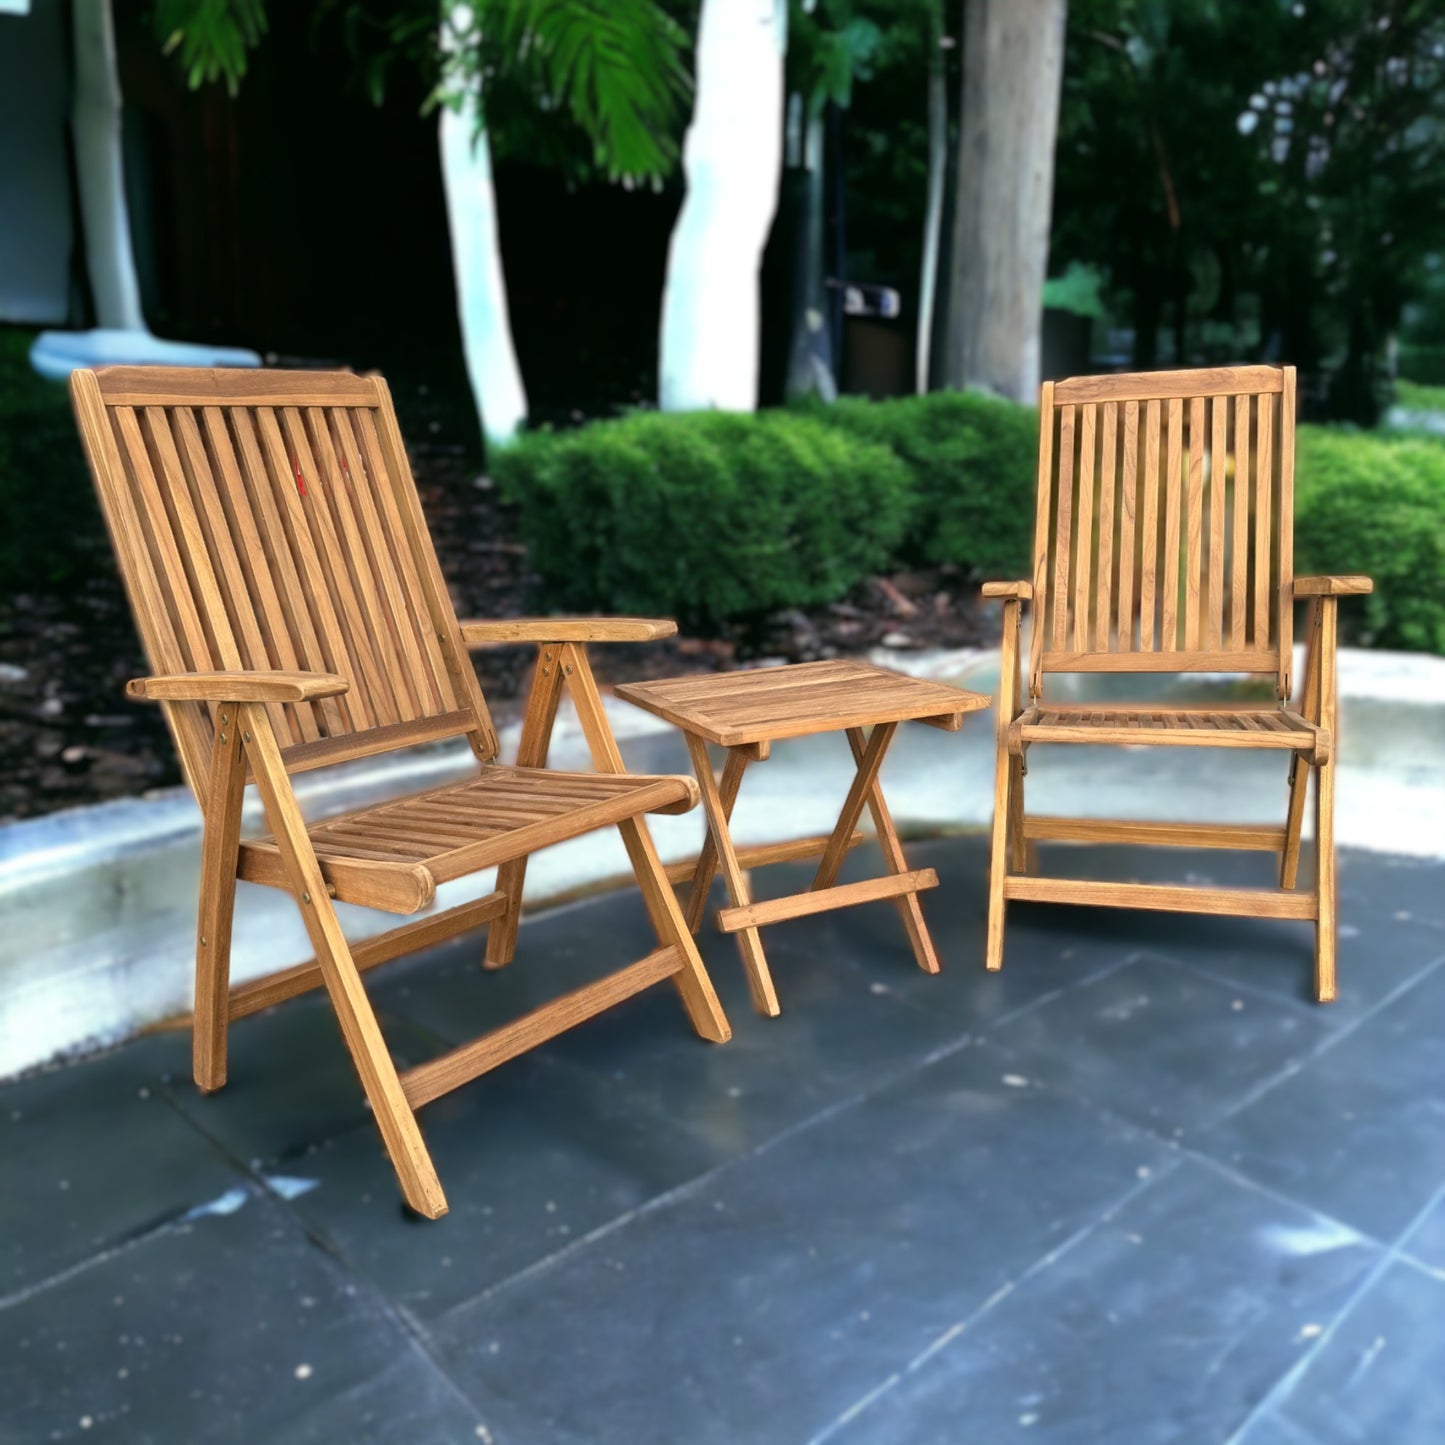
(1013, 56)
(100, 171)
(486, 327)
(933, 212)
(733, 160)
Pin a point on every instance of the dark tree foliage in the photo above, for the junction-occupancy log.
(1263, 176)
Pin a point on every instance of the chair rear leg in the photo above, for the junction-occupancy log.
(532, 750)
(1326, 921)
(1299, 776)
(220, 849)
(1021, 852)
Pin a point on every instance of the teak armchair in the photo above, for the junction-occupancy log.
(1188, 567)
(289, 599)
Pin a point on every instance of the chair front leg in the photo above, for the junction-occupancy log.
(1326, 921)
(1005, 806)
(220, 850)
(1299, 766)
(359, 1027)
(536, 741)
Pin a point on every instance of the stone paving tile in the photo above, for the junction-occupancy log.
(532, 1158)
(90, 1156)
(290, 1084)
(1159, 1044)
(229, 1327)
(1377, 1376)
(1171, 1320)
(657, 1239)
(759, 1304)
(1356, 1130)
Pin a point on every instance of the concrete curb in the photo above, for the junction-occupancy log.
(97, 905)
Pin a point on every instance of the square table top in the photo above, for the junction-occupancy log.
(768, 703)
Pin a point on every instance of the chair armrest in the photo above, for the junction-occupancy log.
(567, 629)
(1024, 591)
(237, 687)
(1332, 586)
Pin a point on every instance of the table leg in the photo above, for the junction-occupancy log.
(750, 943)
(732, 777)
(908, 906)
(864, 782)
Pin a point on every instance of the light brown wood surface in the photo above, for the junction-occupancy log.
(289, 599)
(746, 712)
(1164, 543)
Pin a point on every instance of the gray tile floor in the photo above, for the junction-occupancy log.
(1135, 1188)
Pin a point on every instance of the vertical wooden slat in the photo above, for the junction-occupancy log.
(1263, 497)
(364, 618)
(463, 676)
(1129, 489)
(1239, 580)
(1041, 535)
(1214, 635)
(1105, 584)
(190, 539)
(1084, 528)
(1062, 536)
(1169, 626)
(1149, 533)
(315, 593)
(1285, 528)
(255, 559)
(367, 693)
(179, 603)
(225, 556)
(413, 683)
(400, 544)
(1194, 523)
(285, 567)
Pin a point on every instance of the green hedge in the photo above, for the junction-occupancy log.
(704, 515)
(50, 528)
(1376, 505)
(974, 460)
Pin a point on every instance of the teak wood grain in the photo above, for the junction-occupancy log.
(745, 712)
(294, 616)
(1164, 543)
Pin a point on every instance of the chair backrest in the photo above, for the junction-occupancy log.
(1165, 524)
(269, 520)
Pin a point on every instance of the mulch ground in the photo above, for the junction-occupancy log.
(68, 736)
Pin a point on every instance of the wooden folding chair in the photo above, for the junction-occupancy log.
(289, 599)
(1164, 543)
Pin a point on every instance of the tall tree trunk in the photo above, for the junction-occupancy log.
(933, 208)
(733, 158)
(466, 163)
(100, 170)
(1013, 53)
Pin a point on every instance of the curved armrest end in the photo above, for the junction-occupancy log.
(236, 687)
(566, 629)
(1023, 591)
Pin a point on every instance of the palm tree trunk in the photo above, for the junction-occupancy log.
(466, 164)
(933, 209)
(733, 159)
(100, 171)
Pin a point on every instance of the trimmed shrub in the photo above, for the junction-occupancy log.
(1376, 505)
(974, 460)
(704, 515)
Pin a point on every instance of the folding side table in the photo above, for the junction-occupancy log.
(745, 712)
